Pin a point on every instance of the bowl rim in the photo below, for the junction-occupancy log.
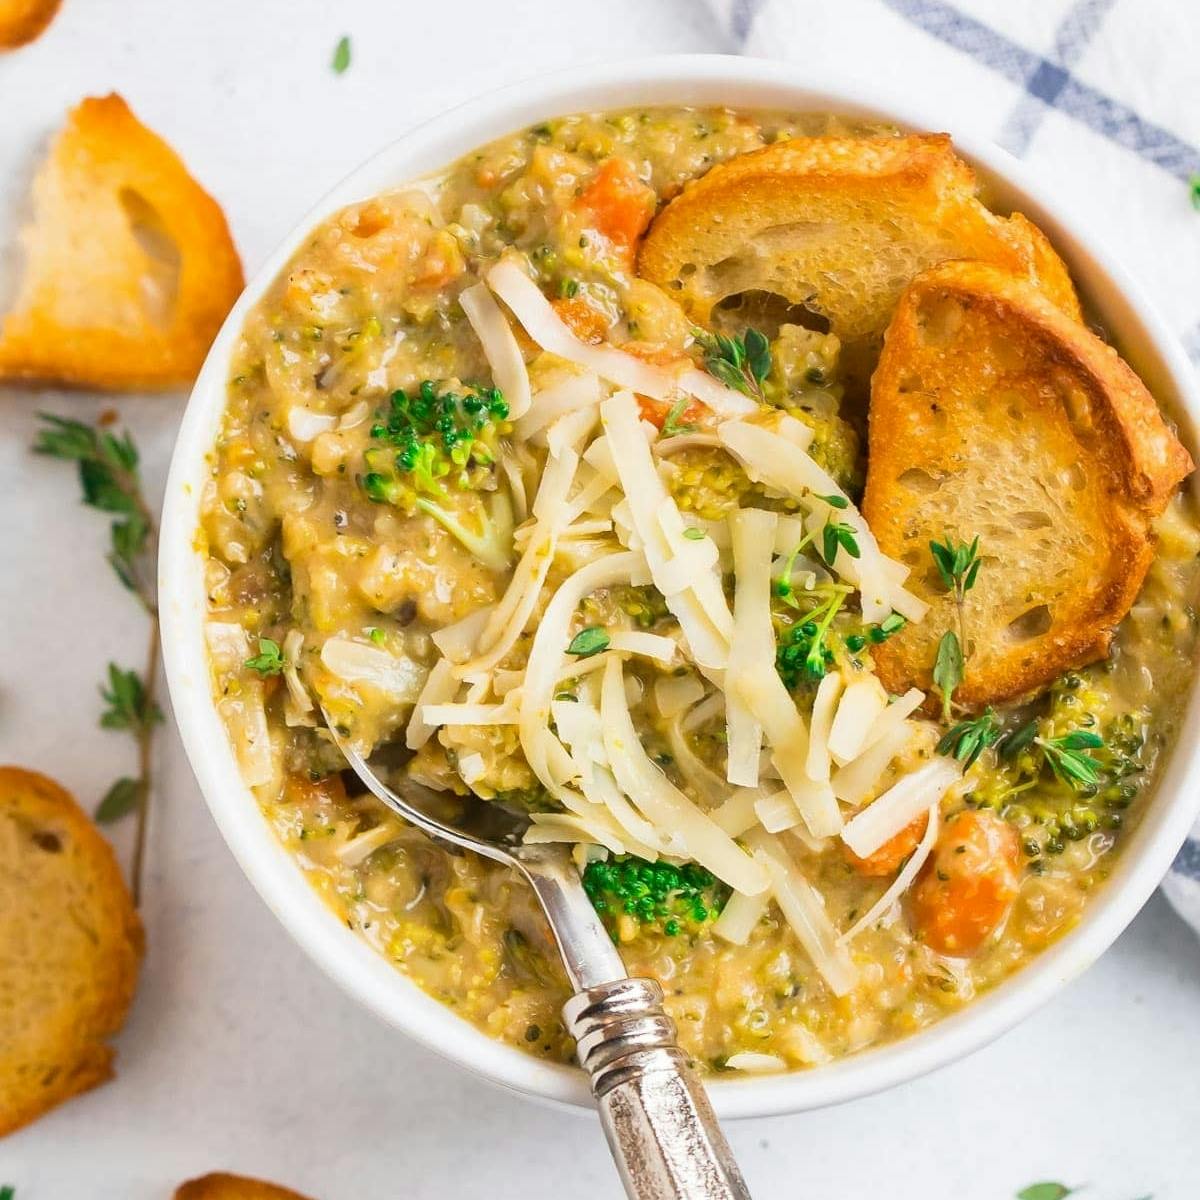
(344, 956)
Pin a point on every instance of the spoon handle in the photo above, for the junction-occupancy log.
(660, 1127)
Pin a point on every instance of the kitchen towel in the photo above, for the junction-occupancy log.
(1100, 97)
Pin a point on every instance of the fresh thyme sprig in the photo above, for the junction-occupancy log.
(958, 565)
(967, 740)
(742, 363)
(672, 423)
(269, 659)
(948, 669)
(109, 480)
(1066, 758)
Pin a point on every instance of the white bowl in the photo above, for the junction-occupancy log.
(706, 80)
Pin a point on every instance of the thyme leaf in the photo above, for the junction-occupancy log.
(948, 669)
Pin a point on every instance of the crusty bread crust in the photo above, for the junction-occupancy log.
(130, 268)
(995, 414)
(220, 1186)
(70, 945)
(23, 20)
(839, 225)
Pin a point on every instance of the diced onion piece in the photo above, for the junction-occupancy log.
(899, 806)
(805, 1045)
(398, 677)
(304, 424)
(894, 716)
(471, 767)
(441, 686)
(675, 693)
(457, 642)
(860, 707)
(804, 910)
(645, 645)
(547, 652)
(353, 417)
(777, 812)
(853, 783)
(551, 333)
(569, 395)
(245, 716)
(740, 917)
(228, 645)
(784, 727)
(736, 815)
(816, 765)
(293, 647)
(438, 715)
(499, 347)
(753, 1061)
(664, 805)
(360, 847)
(700, 608)
(902, 882)
(752, 533)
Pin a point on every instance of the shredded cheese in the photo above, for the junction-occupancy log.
(499, 347)
(899, 806)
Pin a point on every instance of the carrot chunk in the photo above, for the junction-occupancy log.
(969, 884)
(618, 202)
(888, 859)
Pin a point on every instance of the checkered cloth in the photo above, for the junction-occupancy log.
(1102, 97)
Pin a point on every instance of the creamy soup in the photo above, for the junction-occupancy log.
(522, 571)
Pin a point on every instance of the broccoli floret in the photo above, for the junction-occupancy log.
(658, 896)
(428, 441)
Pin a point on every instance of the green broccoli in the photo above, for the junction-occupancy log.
(658, 895)
(436, 445)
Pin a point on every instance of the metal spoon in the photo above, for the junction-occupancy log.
(661, 1130)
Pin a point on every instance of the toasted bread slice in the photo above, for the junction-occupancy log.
(23, 20)
(837, 225)
(130, 268)
(994, 415)
(219, 1186)
(70, 944)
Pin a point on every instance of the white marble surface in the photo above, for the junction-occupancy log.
(239, 1054)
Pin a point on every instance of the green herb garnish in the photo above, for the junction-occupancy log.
(958, 564)
(693, 534)
(672, 425)
(948, 669)
(341, 56)
(1194, 191)
(836, 534)
(742, 363)
(7, 1192)
(833, 501)
(589, 641)
(110, 482)
(1045, 1191)
(967, 740)
(803, 653)
(268, 660)
(1066, 758)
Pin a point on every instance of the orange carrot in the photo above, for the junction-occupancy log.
(888, 859)
(966, 889)
(618, 202)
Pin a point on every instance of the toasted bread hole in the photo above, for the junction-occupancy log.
(917, 479)
(764, 311)
(1076, 477)
(687, 270)
(43, 839)
(1031, 624)
(939, 319)
(1032, 520)
(160, 280)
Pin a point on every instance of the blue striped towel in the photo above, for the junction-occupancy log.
(1102, 97)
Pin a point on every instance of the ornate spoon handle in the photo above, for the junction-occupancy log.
(660, 1127)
